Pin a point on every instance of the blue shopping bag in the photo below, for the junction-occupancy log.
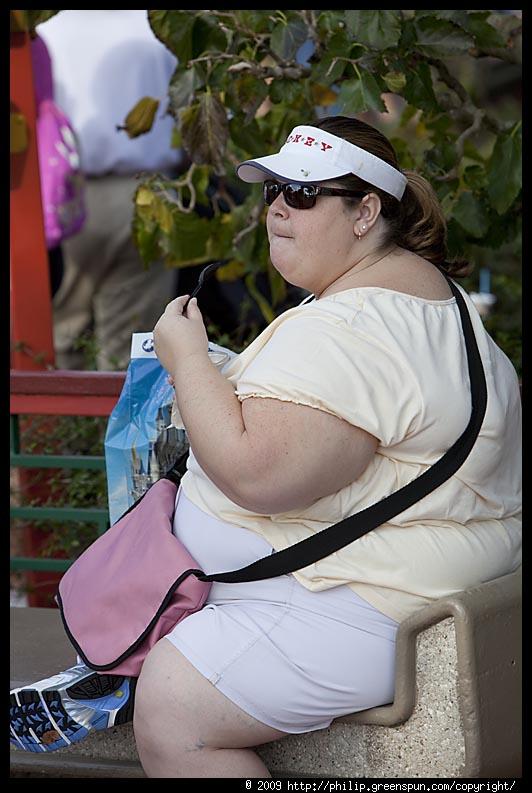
(141, 444)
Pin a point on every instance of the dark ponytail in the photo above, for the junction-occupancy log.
(416, 222)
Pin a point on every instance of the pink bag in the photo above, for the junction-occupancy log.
(62, 180)
(112, 624)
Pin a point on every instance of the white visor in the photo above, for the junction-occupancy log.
(313, 155)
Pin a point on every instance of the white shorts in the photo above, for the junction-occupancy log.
(291, 658)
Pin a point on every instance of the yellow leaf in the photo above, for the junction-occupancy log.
(231, 271)
(139, 120)
(323, 95)
(18, 21)
(18, 133)
(163, 217)
(395, 81)
(144, 197)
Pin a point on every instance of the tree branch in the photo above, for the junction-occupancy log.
(163, 187)
(467, 108)
(478, 117)
(511, 53)
(255, 217)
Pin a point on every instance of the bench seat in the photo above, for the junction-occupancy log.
(456, 712)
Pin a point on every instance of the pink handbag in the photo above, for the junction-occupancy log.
(111, 622)
(61, 175)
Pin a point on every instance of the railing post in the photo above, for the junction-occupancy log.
(31, 305)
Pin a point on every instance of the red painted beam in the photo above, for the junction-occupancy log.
(64, 392)
(31, 307)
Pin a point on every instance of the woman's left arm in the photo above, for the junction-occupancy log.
(266, 455)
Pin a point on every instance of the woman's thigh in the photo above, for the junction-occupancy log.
(178, 708)
(290, 658)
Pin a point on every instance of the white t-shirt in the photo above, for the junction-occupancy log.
(103, 63)
(396, 366)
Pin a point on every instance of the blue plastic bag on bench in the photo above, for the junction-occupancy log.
(140, 442)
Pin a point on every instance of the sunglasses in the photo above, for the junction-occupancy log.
(302, 196)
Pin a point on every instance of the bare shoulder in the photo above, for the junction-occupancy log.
(409, 273)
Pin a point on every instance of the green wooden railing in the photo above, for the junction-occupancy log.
(58, 393)
(33, 513)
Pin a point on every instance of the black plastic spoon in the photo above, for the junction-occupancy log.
(204, 276)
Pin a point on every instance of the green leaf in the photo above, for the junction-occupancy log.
(207, 35)
(246, 93)
(440, 125)
(174, 29)
(267, 311)
(37, 17)
(505, 172)
(257, 21)
(285, 91)
(470, 214)
(187, 33)
(200, 180)
(475, 177)
(205, 131)
(408, 35)
(378, 29)
(220, 237)
(181, 90)
(408, 113)
(278, 287)
(338, 46)
(286, 39)
(458, 17)
(146, 239)
(419, 90)
(456, 239)
(241, 220)
(247, 137)
(395, 81)
(329, 22)
(501, 230)
(188, 242)
(485, 34)
(441, 157)
(357, 96)
(440, 38)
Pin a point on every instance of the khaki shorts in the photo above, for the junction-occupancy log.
(291, 658)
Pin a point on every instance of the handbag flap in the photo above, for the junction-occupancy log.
(104, 612)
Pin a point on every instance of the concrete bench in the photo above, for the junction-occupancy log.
(456, 712)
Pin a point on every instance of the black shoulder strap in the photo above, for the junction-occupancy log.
(346, 531)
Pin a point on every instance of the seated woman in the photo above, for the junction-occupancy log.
(341, 401)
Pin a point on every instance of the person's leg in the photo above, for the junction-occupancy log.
(130, 301)
(105, 287)
(84, 266)
(184, 727)
(130, 298)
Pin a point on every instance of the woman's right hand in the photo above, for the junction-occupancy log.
(177, 336)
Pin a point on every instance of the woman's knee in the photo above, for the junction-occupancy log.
(174, 702)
